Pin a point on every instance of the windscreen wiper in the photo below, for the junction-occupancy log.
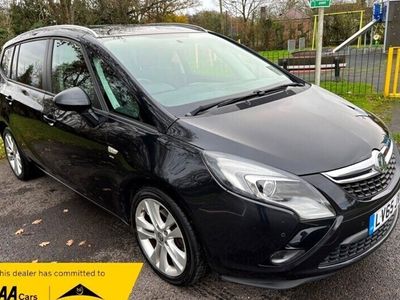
(256, 93)
(259, 93)
(202, 108)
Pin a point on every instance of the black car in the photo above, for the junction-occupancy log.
(215, 156)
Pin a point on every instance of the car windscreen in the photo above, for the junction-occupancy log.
(181, 69)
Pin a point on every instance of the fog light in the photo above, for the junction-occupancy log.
(285, 256)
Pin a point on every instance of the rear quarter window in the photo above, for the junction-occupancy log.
(6, 61)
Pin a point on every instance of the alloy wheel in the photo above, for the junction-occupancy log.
(13, 155)
(160, 237)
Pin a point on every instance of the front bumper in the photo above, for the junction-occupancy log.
(241, 235)
(358, 246)
(336, 260)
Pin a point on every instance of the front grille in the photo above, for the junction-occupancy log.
(347, 252)
(368, 188)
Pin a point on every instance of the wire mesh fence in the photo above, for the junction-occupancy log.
(357, 71)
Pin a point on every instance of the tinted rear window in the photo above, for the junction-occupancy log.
(6, 60)
(31, 63)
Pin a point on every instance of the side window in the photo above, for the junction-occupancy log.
(30, 63)
(6, 61)
(120, 98)
(69, 69)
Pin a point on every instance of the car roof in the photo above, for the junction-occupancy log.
(117, 30)
(102, 31)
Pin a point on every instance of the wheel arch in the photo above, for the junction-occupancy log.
(131, 188)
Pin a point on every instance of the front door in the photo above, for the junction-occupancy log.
(75, 150)
(130, 140)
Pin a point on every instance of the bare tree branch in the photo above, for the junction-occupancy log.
(245, 8)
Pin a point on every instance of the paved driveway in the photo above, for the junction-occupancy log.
(107, 239)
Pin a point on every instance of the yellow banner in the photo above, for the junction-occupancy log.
(67, 281)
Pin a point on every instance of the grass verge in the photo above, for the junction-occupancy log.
(396, 137)
(368, 99)
(372, 102)
(2, 152)
(349, 88)
(275, 55)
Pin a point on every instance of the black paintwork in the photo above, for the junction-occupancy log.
(73, 99)
(306, 132)
(302, 134)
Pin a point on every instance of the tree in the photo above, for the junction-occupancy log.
(111, 11)
(138, 11)
(28, 14)
(5, 22)
(247, 10)
(280, 7)
(62, 10)
(157, 10)
(207, 19)
(339, 27)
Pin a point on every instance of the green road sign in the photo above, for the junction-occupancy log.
(320, 3)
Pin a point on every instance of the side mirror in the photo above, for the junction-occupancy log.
(73, 99)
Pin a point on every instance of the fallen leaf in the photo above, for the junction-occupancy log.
(35, 261)
(69, 243)
(65, 211)
(44, 244)
(82, 243)
(36, 222)
(20, 231)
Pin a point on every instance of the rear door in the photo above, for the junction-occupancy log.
(23, 94)
(5, 70)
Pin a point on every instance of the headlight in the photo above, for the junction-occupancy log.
(268, 184)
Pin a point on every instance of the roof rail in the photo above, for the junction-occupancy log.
(67, 26)
(190, 26)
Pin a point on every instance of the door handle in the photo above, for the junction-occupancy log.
(9, 99)
(49, 120)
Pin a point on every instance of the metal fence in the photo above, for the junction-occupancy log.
(356, 71)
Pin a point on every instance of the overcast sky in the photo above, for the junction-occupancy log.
(208, 5)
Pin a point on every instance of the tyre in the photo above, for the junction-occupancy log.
(18, 162)
(166, 238)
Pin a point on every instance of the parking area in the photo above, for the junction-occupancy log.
(99, 237)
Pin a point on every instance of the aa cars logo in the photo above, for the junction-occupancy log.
(79, 292)
(7, 293)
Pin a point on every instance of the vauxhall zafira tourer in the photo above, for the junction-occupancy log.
(214, 155)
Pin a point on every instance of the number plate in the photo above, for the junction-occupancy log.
(378, 219)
